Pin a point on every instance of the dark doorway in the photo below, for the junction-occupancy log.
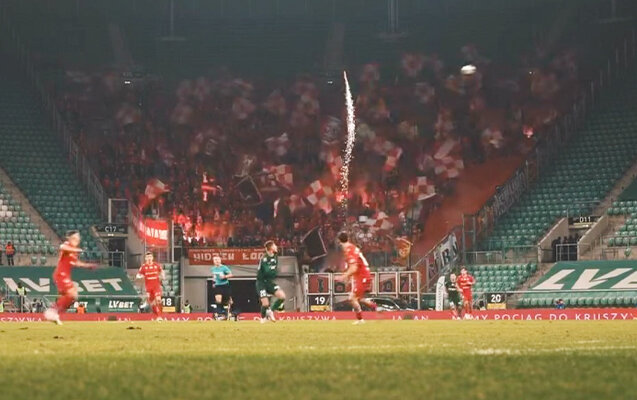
(244, 296)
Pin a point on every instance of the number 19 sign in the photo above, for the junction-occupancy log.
(320, 302)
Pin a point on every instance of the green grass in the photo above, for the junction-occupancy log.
(320, 360)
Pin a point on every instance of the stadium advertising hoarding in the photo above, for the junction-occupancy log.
(229, 256)
(575, 314)
(104, 289)
(108, 281)
(589, 275)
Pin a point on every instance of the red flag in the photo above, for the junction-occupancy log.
(379, 222)
(392, 158)
(448, 167)
(422, 189)
(320, 196)
(278, 145)
(282, 174)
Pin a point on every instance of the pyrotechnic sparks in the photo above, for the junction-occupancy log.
(349, 147)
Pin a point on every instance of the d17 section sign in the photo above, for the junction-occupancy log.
(229, 256)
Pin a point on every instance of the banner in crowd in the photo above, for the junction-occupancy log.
(574, 314)
(229, 256)
(152, 231)
(108, 281)
(446, 252)
(589, 275)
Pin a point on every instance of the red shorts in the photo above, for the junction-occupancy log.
(467, 295)
(63, 283)
(361, 286)
(153, 292)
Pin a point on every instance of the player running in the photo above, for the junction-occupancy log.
(69, 252)
(465, 282)
(358, 272)
(153, 274)
(223, 292)
(267, 273)
(453, 295)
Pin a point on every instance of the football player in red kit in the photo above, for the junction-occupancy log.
(465, 282)
(69, 252)
(153, 274)
(358, 272)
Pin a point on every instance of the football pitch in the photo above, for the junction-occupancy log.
(320, 360)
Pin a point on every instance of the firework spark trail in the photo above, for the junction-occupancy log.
(349, 147)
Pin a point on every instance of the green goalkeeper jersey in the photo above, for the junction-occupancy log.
(268, 268)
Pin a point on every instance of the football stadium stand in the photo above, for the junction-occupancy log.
(33, 158)
(578, 180)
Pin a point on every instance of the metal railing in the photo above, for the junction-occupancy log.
(508, 255)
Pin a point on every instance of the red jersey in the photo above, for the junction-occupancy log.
(353, 255)
(65, 263)
(465, 282)
(151, 273)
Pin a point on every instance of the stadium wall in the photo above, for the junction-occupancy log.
(574, 314)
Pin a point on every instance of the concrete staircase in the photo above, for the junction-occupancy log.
(600, 250)
(36, 219)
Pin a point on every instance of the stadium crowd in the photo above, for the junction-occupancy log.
(193, 150)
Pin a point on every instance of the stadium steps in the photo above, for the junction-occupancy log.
(542, 268)
(28, 209)
(33, 158)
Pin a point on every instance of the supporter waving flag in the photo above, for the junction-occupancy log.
(278, 145)
(320, 196)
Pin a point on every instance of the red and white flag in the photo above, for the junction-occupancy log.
(379, 222)
(392, 158)
(320, 196)
(448, 167)
(242, 108)
(447, 148)
(279, 145)
(282, 174)
(333, 160)
(412, 64)
(422, 189)
(155, 188)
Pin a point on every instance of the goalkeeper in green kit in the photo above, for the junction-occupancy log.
(268, 270)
